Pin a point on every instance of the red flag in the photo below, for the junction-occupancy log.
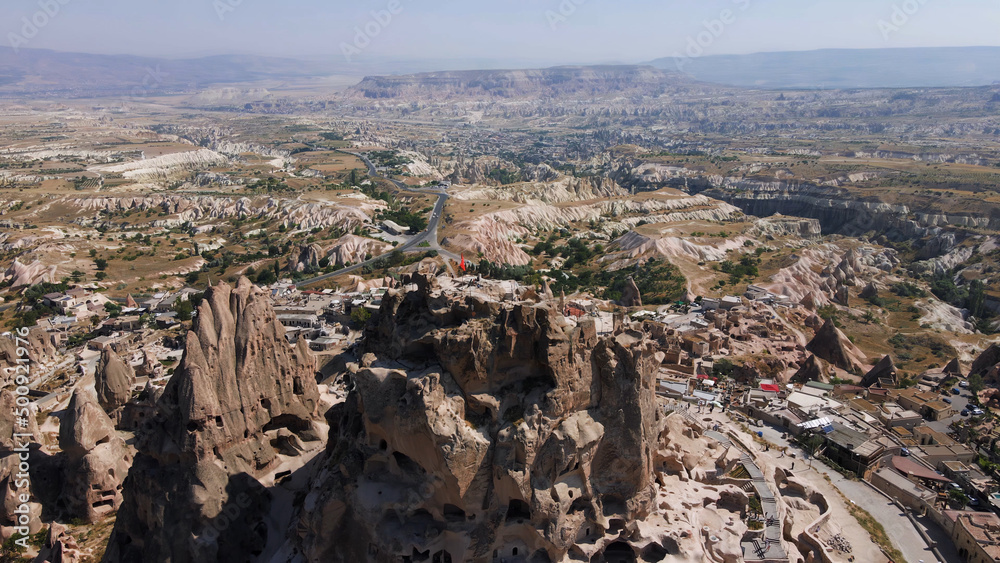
(463, 263)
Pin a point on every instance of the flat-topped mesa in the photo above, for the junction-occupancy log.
(475, 426)
(239, 385)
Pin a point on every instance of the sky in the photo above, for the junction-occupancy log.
(521, 32)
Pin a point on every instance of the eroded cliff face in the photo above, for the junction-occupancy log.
(240, 393)
(474, 428)
(841, 213)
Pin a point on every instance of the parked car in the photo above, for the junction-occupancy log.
(947, 400)
(955, 486)
(956, 391)
(964, 385)
(965, 413)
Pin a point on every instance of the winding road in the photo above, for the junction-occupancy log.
(429, 235)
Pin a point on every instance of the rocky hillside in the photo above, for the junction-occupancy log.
(475, 430)
(242, 402)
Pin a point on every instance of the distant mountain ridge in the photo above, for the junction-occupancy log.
(847, 68)
(30, 71)
(40, 72)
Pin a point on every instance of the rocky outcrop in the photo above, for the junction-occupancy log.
(308, 258)
(21, 275)
(39, 348)
(199, 209)
(885, 370)
(60, 546)
(113, 380)
(954, 367)
(812, 369)
(20, 420)
(240, 394)
(779, 226)
(870, 291)
(351, 249)
(630, 294)
(97, 459)
(831, 345)
(508, 432)
(987, 365)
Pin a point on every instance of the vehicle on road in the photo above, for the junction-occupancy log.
(965, 413)
(956, 392)
(964, 385)
(947, 400)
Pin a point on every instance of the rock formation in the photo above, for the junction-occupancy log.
(630, 295)
(870, 291)
(987, 364)
(954, 367)
(97, 459)
(11, 448)
(308, 258)
(40, 351)
(113, 380)
(812, 370)
(60, 546)
(351, 249)
(238, 389)
(831, 345)
(21, 275)
(510, 434)
(885, 370)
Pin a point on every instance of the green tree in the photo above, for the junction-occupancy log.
(976, 301)
(976, 383)
(360, 316)
(184, 310)
(101, 264)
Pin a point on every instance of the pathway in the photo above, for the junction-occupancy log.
(771, 549)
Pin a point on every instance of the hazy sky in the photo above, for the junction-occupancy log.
(582, 31)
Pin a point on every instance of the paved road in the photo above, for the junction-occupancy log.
(429, 235)
(898, 527)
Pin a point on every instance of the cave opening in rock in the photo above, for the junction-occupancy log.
(618, 552)
(518, 510)
(453, 513)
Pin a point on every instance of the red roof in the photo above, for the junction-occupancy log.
(908, 467)
(771, 388)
